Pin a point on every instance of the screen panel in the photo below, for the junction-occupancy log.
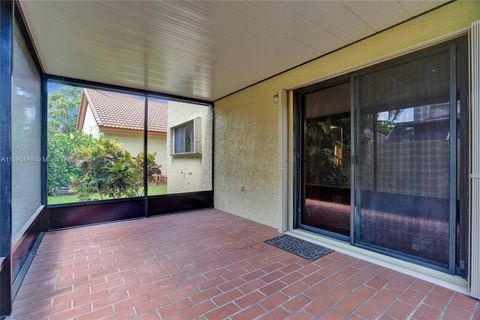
(95, 144)
(180, 145)
(403, 140)
(26, 135)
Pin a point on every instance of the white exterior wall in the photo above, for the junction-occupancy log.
(189, 173)
(90, 124)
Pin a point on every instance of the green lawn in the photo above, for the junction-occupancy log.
(157, 190)
(152, 191)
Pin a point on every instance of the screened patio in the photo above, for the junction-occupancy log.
(151, 153)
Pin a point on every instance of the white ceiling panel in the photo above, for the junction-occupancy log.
(378, 14)
(334, 17)
(203, 49)
(315, 38)
(417, 7)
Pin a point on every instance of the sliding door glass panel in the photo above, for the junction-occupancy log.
(95, 144)
(26, 136)
(326, 160)
(403, 143)
(179, 147)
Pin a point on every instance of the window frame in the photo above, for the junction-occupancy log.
(196, 134)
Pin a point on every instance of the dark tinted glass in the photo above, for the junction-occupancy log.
(403, 132)
(184, 138)
(327, 163)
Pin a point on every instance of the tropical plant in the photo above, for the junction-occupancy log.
(107, 170)
(61, 148)
(152, 166)
(386, 126)
(321, 138)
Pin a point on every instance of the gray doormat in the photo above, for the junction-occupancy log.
(299, 247)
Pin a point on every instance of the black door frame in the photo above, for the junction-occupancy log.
(298, 145)
(458, 89)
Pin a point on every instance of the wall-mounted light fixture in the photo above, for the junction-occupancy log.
(275, 98)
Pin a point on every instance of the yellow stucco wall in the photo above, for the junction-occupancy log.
(246, 123)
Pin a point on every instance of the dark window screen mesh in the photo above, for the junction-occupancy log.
(403, 148)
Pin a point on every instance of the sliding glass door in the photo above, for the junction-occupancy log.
(326, 160)
(396, 135)
(404, 138)
(410, 146)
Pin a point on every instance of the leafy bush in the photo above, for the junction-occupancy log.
(61, 148)
(152, 166)
(84, 164)
(95, 166)
(108, 170)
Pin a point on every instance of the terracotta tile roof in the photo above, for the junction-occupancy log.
(115, 110)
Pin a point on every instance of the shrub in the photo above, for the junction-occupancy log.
(61, 148)
(106, 169)
(152, 166)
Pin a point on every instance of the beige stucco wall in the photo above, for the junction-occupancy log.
(190, 172)
(134, 144)
(246, 123)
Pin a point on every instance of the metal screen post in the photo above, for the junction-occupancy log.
(6, 22)
(475, 173)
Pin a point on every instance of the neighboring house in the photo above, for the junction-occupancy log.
(189, 137)
(120, 116)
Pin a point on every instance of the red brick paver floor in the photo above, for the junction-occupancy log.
(212, 265)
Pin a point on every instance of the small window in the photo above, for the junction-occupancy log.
(187, 137)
